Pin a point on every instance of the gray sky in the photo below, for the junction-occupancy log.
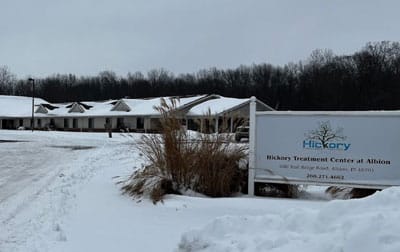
(84, 37)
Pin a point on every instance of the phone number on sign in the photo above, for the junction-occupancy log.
(323, 176)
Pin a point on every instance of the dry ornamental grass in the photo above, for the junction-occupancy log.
(177, 161)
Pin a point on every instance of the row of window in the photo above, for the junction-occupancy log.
(120, 123)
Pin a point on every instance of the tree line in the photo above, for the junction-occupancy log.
(368, 79)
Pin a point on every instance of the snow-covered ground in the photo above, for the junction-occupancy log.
(58, 192)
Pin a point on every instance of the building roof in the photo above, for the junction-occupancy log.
(216, 106)
(147, 106)
(81, 109)
(18, 106)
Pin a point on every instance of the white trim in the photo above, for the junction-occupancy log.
(216, 124)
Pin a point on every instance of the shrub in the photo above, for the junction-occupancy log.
(147, 182)
(179, 161)
(348, 193)
(277, 190)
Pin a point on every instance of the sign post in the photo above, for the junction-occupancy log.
(252, 145)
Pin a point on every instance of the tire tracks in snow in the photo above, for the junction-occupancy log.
(28, 222)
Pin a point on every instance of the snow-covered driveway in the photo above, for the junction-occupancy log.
(40, 174)
(26, 161)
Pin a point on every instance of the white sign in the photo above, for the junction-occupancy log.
(358, 149)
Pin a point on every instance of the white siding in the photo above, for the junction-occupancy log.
(60, 123)
(99, 122)
(83, 123)
(27, 123)
(147, 123)
(130, 122)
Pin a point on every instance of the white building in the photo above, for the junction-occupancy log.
(209, 113)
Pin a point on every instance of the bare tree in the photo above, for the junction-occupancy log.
(324, 133)
(7, 81)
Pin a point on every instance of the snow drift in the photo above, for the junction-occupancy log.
(369, 224)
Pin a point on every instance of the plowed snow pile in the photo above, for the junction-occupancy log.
(370, 224)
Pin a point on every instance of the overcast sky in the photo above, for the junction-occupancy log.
(84, 37)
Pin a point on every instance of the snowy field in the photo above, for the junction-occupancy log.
(58, 193)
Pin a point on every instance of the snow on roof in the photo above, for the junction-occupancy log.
(92, 109)
(137, 106)
(142, 106)
(18, 106)
(216, 106)
(146, 106)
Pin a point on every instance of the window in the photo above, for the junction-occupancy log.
(91, 123)
(193, 124)
(66, 123)
(140, 123)
(108, 125)
(120, 123)
(21, 122)
(74, 123)
(39, 123)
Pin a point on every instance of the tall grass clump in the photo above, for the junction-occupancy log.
(179, 161)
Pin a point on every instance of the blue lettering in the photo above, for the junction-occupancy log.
(307, 145)
(310, 144)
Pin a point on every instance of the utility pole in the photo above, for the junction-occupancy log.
(32, 81)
